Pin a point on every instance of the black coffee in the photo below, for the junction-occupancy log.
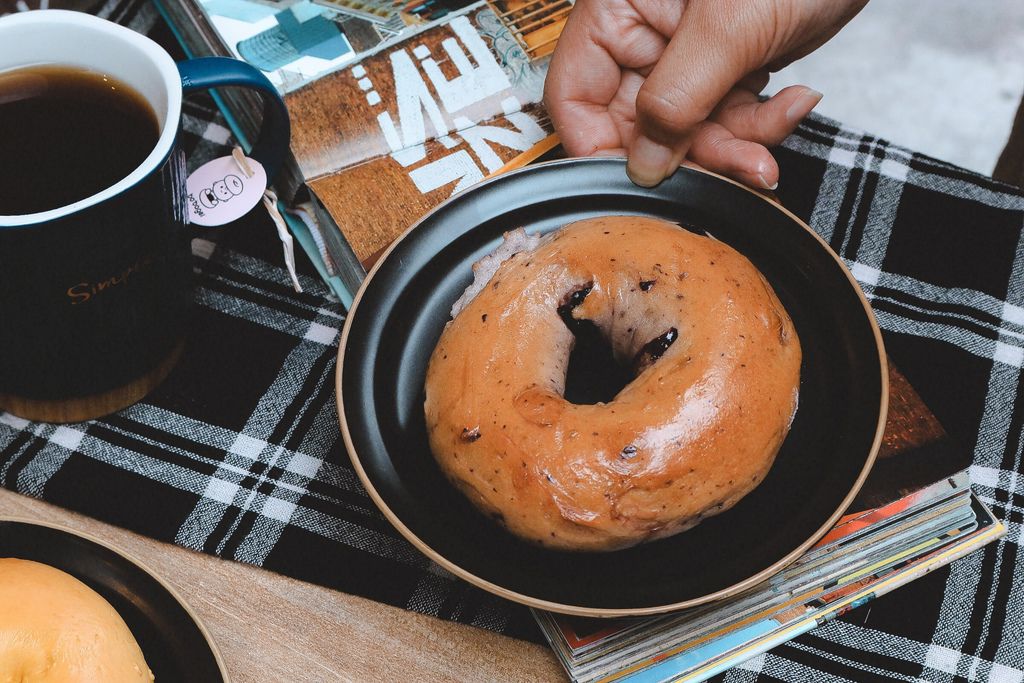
(66, 134)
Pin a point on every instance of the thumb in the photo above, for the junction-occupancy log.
(701, 63)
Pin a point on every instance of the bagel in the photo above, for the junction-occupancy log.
(716, 363)
(55, 629)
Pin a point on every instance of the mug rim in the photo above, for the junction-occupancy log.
(159, 58)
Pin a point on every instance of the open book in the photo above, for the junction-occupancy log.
(395, 106)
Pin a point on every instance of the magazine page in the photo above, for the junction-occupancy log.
(383, 141)
(294, 42)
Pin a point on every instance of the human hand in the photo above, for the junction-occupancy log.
(664, 80)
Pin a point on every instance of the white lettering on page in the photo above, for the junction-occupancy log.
(458, 165)
(413, 98)
(406, 129)
(473, 84)
(480, 136)
(405, 156)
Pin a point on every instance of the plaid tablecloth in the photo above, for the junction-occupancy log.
(238, 454)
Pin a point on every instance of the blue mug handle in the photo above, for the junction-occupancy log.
(271, 145)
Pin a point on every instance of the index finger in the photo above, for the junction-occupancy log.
(581, 82)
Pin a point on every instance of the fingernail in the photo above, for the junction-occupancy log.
(803, 105)
(763, 169)
(649, 163)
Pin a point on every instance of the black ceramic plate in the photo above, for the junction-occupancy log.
(402, 307)
(176, 646)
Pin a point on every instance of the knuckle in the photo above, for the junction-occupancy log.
(667, 112)
(763, 120)
(730, 147)
(705, 139)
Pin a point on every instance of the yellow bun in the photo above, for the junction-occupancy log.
(55, 629)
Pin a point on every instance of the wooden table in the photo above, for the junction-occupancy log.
(273, 628)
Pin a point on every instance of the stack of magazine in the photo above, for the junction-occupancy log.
(869, 553)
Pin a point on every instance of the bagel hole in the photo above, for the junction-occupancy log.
(594, 375)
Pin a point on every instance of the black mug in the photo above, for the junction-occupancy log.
(95, 295)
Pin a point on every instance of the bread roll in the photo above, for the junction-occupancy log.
(55, 629)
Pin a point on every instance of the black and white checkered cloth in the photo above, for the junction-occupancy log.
(238, 454)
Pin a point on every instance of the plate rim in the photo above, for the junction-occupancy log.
(218, 658)
(601, 612)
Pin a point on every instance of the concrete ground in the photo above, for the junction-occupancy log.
(943, 77)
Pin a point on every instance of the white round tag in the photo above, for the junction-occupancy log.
(220, 190)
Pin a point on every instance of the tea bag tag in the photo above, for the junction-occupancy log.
(287, 243)
(224, 189)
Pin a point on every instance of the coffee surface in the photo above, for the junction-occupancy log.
(67, 133)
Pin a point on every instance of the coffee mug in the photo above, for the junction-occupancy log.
(95, 295)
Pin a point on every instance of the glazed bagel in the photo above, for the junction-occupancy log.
(55, 629)
(717, 370)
